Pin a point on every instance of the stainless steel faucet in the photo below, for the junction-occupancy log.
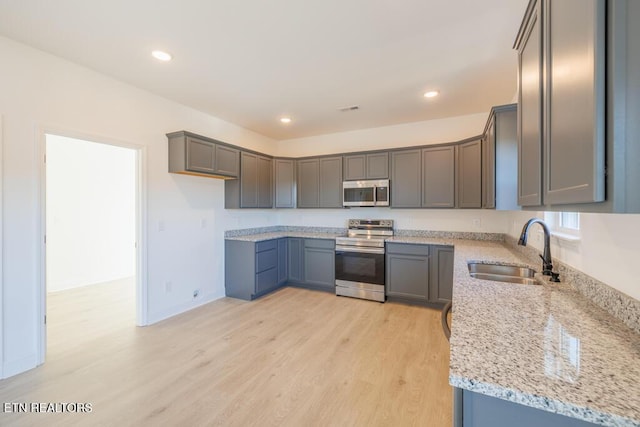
(547, 266)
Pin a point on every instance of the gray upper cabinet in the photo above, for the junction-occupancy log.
(285, 183)
(308, 183)
(574, 127)
(562, 142)
(366, 166)
(529, 45)
(253, 188)
(489, 167)
(330, 182)
(406, 179)
(319, 182)
(438, 177)
(193, 155)
(469, 168)
(500, 159)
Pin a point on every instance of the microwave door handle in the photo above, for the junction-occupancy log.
(375, 195)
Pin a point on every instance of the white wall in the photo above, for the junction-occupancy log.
(91, 209)
(404, 135)
(608, 250)
(39, 90)
(405, 219)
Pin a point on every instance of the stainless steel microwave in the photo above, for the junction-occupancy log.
(365, 193)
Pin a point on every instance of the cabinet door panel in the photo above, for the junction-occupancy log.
(295, 248)
(574, 140)
(227, 161)
(319, 267)
(470, 175)
(354, 167)
(530, 116)
(378, 166)
(438, 177)
(265, 168)
(406, 179)
(285, 184)
(283, 260)
(489, 167)
(441, 280)
(308, 183)
(200, 155)
(331, 182)
(408, 276)
(249, 181)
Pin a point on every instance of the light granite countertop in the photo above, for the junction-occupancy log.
(545, 346)
(259, 237)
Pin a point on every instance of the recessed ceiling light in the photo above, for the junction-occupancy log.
(431, 94)
(161, 55)
(285, 119)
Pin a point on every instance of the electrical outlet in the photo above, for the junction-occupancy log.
(203, 223)
(196, 293)
(161, 225)
(167, 286)
(477, 223)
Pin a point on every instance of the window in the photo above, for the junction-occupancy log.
(564, 225)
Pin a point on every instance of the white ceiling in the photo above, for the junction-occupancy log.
(251, 61)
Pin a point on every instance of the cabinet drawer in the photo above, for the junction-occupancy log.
(407, 249)
(266, 280)
(266, 260)
(320, 243)
(266, 245)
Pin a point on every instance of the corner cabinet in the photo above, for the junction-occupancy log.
(254, 187)
(191, 154)
(500, 159)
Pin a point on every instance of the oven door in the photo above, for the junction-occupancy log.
(361, 265)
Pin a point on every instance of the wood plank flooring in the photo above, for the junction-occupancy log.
(292, 358)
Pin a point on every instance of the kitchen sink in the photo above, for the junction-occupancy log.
(502, 273)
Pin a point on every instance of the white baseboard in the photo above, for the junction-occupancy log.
(182, 308)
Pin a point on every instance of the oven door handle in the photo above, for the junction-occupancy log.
(360, 249)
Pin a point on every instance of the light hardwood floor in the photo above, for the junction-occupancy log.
(292, 358)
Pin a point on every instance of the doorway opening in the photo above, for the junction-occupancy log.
(92, 221)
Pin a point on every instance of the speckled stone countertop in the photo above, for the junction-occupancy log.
(278, 234)
(544, 346)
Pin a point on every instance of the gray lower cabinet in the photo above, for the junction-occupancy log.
(366, 166)
(438, 177)
(407, 271)
(469, 169)
(441, 273)
(479, 410)
(254, 268)
(406, 179)
(319, 182)
(284, 179)
(253, 188)
(319, 263)
(419, 273)
(191, 154)
(295, 257)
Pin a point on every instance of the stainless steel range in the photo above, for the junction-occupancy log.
(360, 271)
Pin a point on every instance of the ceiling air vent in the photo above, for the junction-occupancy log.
(349, 108)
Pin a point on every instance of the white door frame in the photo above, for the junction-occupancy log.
(1, 250)
(140, 227)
